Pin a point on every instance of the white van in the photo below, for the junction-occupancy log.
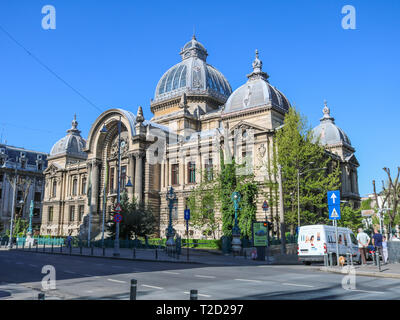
(315, 241)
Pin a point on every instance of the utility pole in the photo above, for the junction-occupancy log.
(13, 208)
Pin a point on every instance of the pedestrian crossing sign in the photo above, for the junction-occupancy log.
(334, 212)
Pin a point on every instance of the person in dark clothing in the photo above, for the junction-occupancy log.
(377, 242)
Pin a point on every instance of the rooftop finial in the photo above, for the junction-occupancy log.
(74, 128)
(327, 112)
(139, 116)
(194, 33)
(257, 69)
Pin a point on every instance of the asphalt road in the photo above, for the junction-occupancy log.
(98, 278)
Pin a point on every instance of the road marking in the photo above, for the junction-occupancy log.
(154, 287)
(33, 265)
(119, 281)
(71, 272)
(297, 285)
(201, 276)
(90, 275)
(249, 280)
(366, 291)
(170, 272)
(200, 294)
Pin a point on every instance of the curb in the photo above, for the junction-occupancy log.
(364, 273)
(115, 258)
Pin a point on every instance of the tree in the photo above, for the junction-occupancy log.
(137, 220)
(299, 151)
(350, 218)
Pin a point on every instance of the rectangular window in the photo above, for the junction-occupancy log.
(50, 214)
(54, 188)
(191, 172)
(71, 213)
(38, 196)
(175, 174)
(112, 172)
(36, 212)
(81, 212)
(123, 177)
(209, 170)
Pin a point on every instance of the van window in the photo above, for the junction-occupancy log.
(353, 239)
(345, 239)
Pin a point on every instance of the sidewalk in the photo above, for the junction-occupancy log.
(159, 255)
(391, 270)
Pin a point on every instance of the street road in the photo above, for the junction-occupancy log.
(99, 278)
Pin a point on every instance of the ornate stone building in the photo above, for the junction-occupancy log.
(27, 166)
(196, 114)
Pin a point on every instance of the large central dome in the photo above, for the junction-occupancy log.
(193, 75)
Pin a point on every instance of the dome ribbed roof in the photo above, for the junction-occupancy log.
(328, 132)
(193, 75)
(72, 144)
(256, 92)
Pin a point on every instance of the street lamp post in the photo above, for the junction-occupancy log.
(29, 239)
(236, 244)
(116, 241)
(171, 197)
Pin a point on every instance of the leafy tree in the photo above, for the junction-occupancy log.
(299, 151)
(350, 218)
(137, 220)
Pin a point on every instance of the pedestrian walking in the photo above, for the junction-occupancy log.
(377, 242)
(385, 250)
(363, 241)
(69, 241)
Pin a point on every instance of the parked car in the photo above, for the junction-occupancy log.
(316, 241)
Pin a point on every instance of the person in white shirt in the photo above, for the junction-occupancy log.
(363, 241)
(384, 250)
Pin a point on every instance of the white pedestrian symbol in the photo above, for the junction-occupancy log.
(334, 214)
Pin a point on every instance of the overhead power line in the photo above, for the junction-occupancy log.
(49, 69)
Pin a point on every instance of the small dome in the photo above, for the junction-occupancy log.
(72, 144)
(256, 92)
(193, 75)
(328, 132)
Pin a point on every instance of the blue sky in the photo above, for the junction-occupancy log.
(114, 53)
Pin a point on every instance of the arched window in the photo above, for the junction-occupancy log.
(74, 187)
(54, 193)
(83, 185)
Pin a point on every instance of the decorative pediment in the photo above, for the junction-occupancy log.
(52, 169)
(352, 159)
(244, 125)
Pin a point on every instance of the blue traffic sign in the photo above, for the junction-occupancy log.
(334, 212)
(117, 218)
(187, 214)
(334, 198)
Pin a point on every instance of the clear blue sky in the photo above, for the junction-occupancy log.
(114, 52)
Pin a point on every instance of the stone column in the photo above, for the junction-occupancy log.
(95, 186)
(139, 176)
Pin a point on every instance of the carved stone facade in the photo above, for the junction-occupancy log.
(195, 116)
